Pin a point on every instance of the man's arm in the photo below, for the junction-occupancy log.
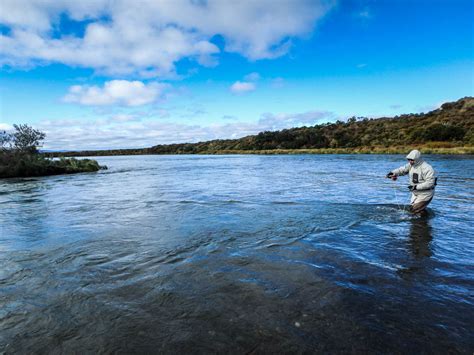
(403, 170)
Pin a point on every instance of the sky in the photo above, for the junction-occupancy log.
(106, 74)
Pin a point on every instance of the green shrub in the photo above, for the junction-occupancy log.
(20, 164)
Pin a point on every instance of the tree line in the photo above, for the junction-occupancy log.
(452, 123)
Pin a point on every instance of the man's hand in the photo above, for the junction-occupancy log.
(392, 176)
(411, 187)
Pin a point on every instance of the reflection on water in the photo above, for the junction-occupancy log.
(240, 254)
(420, 236)
(419, 240)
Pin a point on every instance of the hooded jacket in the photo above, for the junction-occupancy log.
(421, 174)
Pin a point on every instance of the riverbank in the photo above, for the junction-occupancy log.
(425, 149)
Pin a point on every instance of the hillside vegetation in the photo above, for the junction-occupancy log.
(449, 129)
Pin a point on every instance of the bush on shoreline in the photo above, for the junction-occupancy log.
(14, 164)
(19, 156)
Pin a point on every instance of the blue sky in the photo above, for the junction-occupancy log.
(120, 74)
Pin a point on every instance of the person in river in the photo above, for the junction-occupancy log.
(422, 180)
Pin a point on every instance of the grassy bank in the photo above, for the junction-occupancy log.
(425, 149)
(360, 150)
(429, 148)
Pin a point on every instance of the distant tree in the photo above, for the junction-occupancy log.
(26, 139)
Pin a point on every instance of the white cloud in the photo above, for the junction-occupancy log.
(252, 77)
(240, 87)
(149, 37)
(249, 84)
(116, 92)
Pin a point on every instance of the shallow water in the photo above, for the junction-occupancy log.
(240, 254)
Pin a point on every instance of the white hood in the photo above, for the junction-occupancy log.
(414, 155)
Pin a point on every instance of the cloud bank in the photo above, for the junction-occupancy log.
(129, 131)
(148, 37)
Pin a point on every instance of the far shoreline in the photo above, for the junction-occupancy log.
(460, 150)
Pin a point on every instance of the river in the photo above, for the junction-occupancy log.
(237, 254)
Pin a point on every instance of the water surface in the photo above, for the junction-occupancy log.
(237, 254)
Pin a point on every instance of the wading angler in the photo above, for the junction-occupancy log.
(422, 180)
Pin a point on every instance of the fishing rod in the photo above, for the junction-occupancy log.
(394, 177)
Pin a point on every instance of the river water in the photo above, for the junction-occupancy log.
(239, 254)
